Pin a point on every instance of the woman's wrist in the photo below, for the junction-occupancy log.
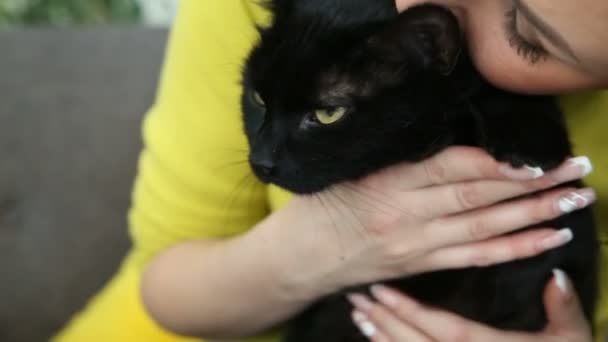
(264, 272)
(296, 247)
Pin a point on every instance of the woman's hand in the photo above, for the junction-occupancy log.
(446, 212)
(398, 318)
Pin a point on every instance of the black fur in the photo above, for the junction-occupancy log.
(410, 92)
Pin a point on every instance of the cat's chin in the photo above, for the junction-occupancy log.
(294, 182)
(300, 188)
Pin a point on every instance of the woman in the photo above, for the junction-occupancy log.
(210, 260)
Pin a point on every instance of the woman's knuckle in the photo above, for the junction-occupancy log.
(376, 180)
(435, 170)
(395, 252)
(480, 229)
(538, 210)
(415, 312)
(382, 223)
(467, 195)
(538, 184)
(459, 333)
(524, 251)
(484, 163)
(391, 251)
(376, 313)
(481, 259)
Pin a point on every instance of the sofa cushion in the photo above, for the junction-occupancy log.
(71, 103)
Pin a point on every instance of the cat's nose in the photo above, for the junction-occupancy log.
(265, 166)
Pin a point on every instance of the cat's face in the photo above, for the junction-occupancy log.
(326, 101)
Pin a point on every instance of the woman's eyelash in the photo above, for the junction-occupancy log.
(524, 48)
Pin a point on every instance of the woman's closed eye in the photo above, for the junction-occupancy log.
(533, 37)
(532, 52)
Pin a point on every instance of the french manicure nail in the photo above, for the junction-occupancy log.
(535, 172)
(384, 295)
(524, 173)
(359, 316)
(584, 163)
(561, 280)
(360, 301)
(362, 321)
(367, 328)
(574, 168)
(559, 238)
(576, 200)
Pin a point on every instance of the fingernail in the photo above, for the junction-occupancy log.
(576, 200)
(362, 321)
(561, 280)
(385, 295)
(536, 172)
(360, 301)
(584, 163)
(523, 173)
(367, 328)
(574, 168)
(559, 238)
(359, 316)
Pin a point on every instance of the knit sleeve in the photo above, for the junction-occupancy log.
(193, 179)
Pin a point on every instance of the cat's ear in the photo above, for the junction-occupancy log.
(428, 33)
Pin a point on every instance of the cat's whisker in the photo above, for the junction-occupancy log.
(334, 225)
(234, 163)
(246, 180)
(332, 191)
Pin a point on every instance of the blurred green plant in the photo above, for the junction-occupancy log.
(67, 12)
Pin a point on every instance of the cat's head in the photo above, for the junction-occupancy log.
(338, 89)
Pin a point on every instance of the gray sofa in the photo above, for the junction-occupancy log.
(71, 103)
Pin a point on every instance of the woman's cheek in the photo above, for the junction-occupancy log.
(512, 73)
(402, 5)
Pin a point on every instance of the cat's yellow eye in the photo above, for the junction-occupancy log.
(330, 116)
(257, 99)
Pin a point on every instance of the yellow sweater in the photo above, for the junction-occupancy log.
(189, 183)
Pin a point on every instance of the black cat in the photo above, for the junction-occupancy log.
(338, 89)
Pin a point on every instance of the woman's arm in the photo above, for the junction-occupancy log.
(231, 288)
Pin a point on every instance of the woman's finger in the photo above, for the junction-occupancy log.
(564, 311)
(454, 164)
(461, 164)
(380, 324)
(455, 198)
(498, 250)
(399, 318)
(367, 328)
(507, 217)
(440, 325)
